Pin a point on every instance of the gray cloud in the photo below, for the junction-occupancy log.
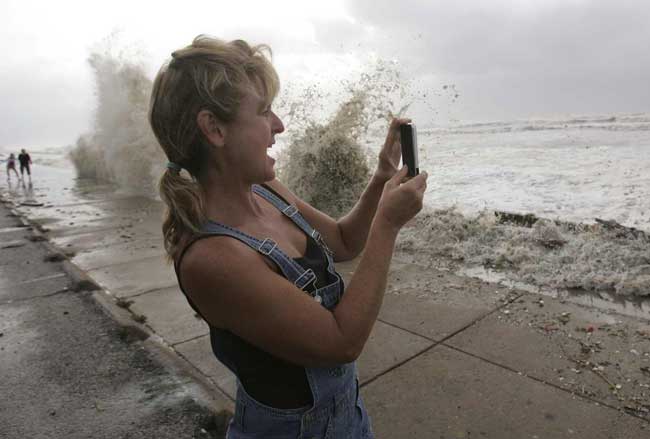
(42, 107)
(579, 56)
(508, 59)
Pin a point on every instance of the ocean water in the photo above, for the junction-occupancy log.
(574, 169)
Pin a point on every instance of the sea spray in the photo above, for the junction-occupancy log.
(326, 167)
(121, 147)
(325, 163)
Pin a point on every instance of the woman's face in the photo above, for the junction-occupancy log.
(250, 135)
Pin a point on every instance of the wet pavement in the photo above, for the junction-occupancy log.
(69, 370)
(451, 356)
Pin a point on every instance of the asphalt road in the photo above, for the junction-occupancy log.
(68, 370)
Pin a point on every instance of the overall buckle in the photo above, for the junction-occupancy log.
(267, 244)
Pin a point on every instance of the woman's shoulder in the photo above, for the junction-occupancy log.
(279, 187)
(209, 253)
(217, 265)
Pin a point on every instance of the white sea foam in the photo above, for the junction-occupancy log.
(549, 254)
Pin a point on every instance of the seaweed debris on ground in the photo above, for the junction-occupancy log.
(598, 355)
(599, 257)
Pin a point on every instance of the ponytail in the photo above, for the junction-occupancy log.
(185, 209)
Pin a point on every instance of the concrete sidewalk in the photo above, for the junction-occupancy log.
(450, 357)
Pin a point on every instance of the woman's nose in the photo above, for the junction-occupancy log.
(277, 126)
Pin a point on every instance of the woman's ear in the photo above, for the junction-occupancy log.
(212, 128)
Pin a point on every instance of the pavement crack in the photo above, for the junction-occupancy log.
(38, 279)
(386, 322)
(34, 298)
(151, 290)
(400, 364)
(470, 324)
(507, 302)
(188, 340)
(545, 382)
(115, 264)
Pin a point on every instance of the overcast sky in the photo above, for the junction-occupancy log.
(507, 58)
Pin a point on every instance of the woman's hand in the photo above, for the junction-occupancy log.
(401, 199)
(391, 152)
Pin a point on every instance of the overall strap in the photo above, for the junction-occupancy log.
(292, 212)
(290, 268)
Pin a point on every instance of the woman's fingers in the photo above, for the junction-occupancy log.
(393, 130)
(419, 182)
(420, 179)
(398, 178)
(391, 136)
(401, 202)
(396, 122)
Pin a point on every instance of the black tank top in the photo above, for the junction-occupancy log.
(268, 379)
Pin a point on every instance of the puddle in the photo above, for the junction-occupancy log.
(600, 300)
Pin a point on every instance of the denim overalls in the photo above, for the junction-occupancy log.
(338, 411)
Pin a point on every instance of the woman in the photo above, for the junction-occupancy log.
(255, 261)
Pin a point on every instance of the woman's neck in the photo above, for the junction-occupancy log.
(231, 201)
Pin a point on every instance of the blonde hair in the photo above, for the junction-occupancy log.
(209, 74)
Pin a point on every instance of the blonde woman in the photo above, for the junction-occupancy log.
(255, 261)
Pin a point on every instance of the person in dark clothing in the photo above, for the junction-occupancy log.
(25, 162)
(255, 261)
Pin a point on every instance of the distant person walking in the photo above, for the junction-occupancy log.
(11, 166)
(25, 162)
